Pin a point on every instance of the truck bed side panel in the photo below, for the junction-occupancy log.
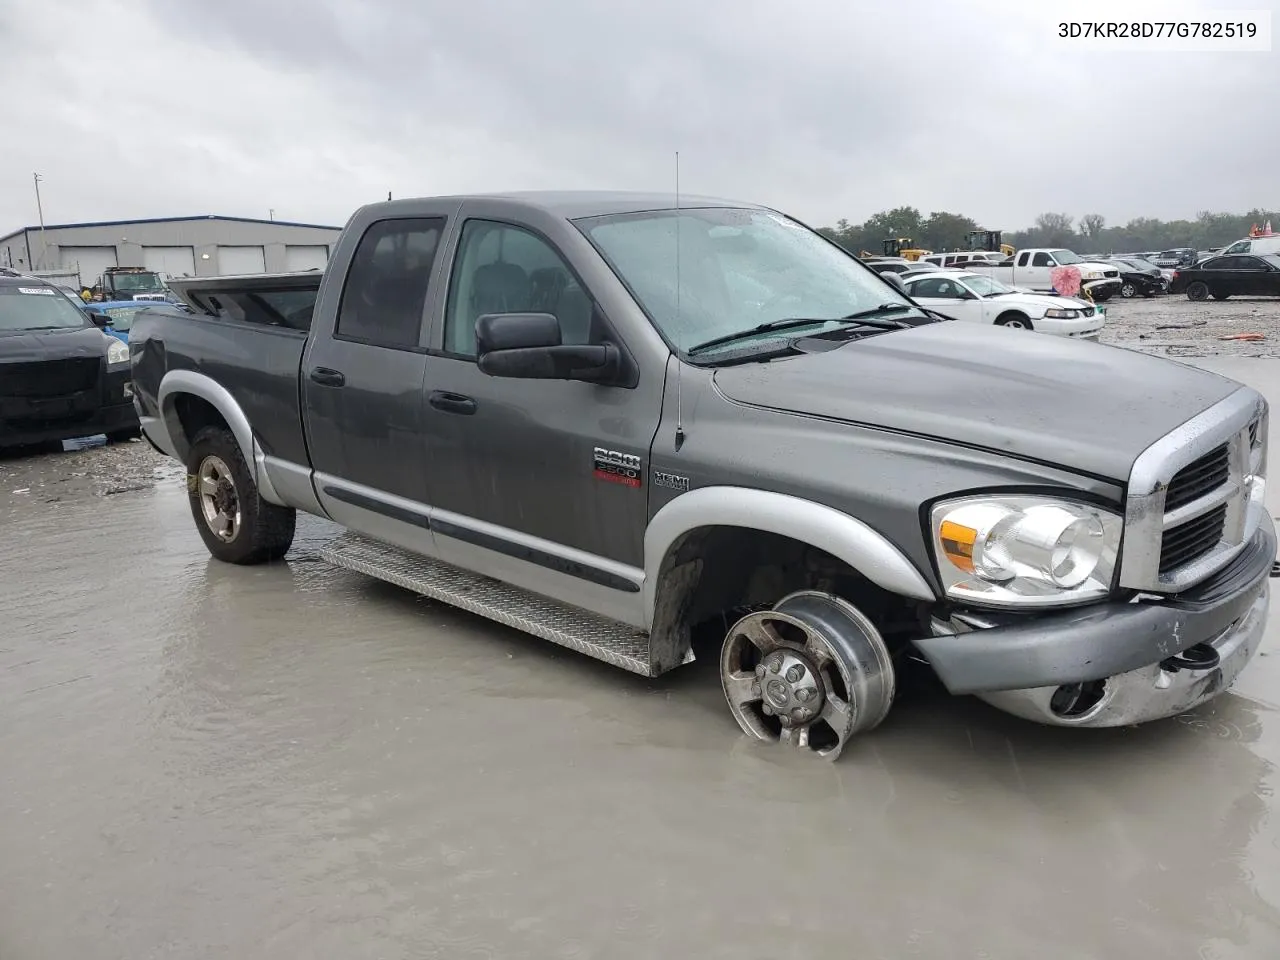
(257, 365)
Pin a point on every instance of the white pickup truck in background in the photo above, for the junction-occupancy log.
(1032, 269)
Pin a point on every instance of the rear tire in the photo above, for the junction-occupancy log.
(1197, 291)
(236, 524)
(1015, 321)
(1128, 291)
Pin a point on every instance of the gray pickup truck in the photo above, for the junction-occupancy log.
(616, 420)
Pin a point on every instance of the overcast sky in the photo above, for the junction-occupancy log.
(824, 108)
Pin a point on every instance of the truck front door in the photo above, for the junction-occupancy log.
(541, 483)
(362, 378)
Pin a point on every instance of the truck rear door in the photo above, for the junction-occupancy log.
(362, 375)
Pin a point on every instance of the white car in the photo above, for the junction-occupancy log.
(975, 298)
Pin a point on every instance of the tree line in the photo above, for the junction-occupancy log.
(1091, 235)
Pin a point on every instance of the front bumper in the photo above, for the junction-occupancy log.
(1104, 289)
(1019, 664)
(115, 413)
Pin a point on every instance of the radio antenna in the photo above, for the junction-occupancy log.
(679, 362)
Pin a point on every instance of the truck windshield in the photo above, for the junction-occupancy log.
(137, 283)
(37, 308)
(738, 269)
(1065, 256)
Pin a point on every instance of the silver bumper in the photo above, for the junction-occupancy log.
(1151, 692)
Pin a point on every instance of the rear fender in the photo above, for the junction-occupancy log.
(174, 439)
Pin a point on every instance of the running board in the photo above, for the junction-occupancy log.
(604, 639)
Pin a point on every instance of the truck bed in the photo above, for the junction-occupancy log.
(247, 333)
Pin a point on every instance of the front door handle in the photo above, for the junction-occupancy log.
(327, 377)
(452, 402)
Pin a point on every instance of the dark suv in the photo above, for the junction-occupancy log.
(60, 376)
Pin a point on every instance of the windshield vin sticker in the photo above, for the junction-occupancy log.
(36, 291)
(614, 466)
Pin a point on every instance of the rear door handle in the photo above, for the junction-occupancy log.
(328, 378)
(452, 402)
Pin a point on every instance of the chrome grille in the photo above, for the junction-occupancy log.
(1192, 502)
(1198, 478)
(1192, 539)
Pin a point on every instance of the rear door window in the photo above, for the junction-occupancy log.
(385, 294)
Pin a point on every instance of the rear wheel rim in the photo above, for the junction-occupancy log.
(1015, 324)
(219, 499)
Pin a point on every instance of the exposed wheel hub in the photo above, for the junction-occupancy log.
(790, 687)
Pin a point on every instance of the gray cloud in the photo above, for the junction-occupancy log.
(828, 109)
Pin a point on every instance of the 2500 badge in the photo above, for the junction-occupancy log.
(614, 466)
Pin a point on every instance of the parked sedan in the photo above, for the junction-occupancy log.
(1238, 275)
(1138, 278)
(976, 298)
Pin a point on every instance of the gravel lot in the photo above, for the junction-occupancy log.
(1174, 326)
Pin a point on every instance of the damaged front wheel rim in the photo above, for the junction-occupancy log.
(811, 673)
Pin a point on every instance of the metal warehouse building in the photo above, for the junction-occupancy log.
(174, 246)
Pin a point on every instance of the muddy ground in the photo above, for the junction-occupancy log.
(204, 761)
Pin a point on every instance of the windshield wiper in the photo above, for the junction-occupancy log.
(791, 322)
(56, 326)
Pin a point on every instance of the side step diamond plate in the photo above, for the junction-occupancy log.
(608, 640)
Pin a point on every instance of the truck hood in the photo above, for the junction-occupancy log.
(20, 347)
(1083, 406)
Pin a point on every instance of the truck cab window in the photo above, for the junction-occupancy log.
(501, 268)
(386, 289)
(1042, 260)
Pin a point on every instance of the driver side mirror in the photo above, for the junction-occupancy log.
(895, 280)
(100, 320)
(529, 346)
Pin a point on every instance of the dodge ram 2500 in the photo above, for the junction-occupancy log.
(612, 419)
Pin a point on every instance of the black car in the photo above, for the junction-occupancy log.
(1239, 275)
(1138, 278)
(60, 376)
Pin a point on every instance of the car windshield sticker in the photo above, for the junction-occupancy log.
(38, 291)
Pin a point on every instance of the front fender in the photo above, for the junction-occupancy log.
(839, 534)
(174, 384)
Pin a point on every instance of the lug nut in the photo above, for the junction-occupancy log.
(759, 669)
(800, 713)
(784, 720)
(767, 710)
(755, 688)
(795, 673)
(804, 694)
(775, 665)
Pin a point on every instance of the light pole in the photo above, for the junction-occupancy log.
(40, 211)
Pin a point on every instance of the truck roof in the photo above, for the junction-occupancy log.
(577, 204)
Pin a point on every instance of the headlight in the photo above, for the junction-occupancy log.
(1090, 275)
(117, 351)
(1025, 551)
(1058, 314)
